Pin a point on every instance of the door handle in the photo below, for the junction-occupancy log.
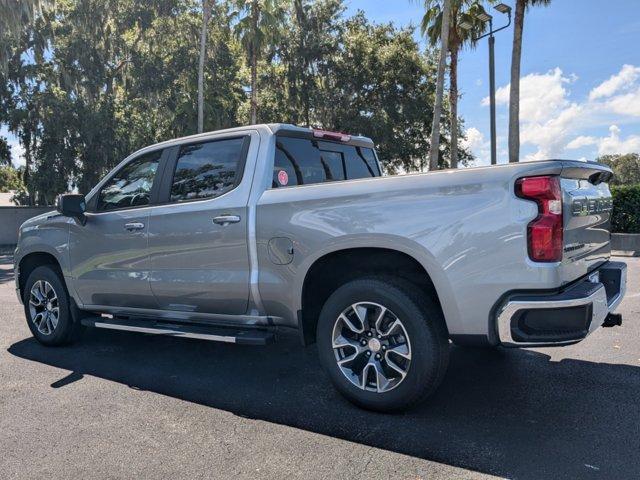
(133, 226)
(226, 219)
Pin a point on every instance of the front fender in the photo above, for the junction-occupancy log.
(50, 236)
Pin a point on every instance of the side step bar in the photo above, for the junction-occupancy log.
(200, 332)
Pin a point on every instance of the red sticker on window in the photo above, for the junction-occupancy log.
(283, 178)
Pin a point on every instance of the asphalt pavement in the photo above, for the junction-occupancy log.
(126, 405)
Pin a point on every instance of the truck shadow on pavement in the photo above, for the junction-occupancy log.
(510, 413)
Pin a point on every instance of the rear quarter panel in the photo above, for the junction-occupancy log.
(465, 227)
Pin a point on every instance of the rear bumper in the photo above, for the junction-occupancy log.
(562, 318)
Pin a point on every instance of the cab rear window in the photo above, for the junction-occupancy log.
(303, 161)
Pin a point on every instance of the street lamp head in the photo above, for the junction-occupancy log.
(502, 8)
(484, 17)
(465, 25)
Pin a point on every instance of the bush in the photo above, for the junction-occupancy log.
(625, 217)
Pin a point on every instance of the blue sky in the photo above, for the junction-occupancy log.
(571, 105)
(580, 83)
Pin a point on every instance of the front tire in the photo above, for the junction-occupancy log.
(47, 308)
(383, 343)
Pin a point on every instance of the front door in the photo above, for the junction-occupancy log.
(109, 256)
(198, 239)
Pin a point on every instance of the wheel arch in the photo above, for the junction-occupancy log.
(334, 268)
(29, 262)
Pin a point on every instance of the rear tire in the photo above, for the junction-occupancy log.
(47, 307)
(395, 331)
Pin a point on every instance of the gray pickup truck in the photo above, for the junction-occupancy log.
(234, 235)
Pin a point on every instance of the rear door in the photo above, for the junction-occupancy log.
(198, 238)
(109, 255)
(587, 206)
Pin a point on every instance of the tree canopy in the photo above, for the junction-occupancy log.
(88, 82)
(10, 180)
(626, 168)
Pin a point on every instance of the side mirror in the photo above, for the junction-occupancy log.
(72, 205)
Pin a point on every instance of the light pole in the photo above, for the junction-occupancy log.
(485, 17)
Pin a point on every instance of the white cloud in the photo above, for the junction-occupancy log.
(550, 136)
(614, 144)
(539, 94)
(546, 114)
(627, 104)
(581, 141)
(474, 138)
(551, 122)
(476, 143)
(626, 76)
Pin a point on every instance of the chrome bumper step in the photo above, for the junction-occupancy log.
(530, 319)
(200, 332)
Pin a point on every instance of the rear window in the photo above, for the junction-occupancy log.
(303, 161)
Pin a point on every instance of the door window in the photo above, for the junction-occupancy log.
(131, 185)
(206, 169)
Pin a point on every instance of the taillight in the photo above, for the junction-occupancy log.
(544, 233)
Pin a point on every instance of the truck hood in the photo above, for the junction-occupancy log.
(39, 219)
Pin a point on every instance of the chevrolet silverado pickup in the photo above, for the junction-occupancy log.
(237, 234)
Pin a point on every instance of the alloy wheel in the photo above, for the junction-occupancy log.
(371, 347)
(44, 309)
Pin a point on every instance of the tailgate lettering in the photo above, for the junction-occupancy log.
(590, 206)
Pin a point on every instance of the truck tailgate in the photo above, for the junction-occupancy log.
(587, 208)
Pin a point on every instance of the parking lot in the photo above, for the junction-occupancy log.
(124, 405)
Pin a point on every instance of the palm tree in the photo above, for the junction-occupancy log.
(463, 12)
(259, 24)
(437, 107)
(514, 89)
(207, 7)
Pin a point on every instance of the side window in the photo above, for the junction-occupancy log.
(357, 166)
(286, 171)
(206, 169)
(333, 164)
(299, 157)
(370, 158)
(303, 161)
(131, 185)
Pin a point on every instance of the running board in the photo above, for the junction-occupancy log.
(200, 332)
